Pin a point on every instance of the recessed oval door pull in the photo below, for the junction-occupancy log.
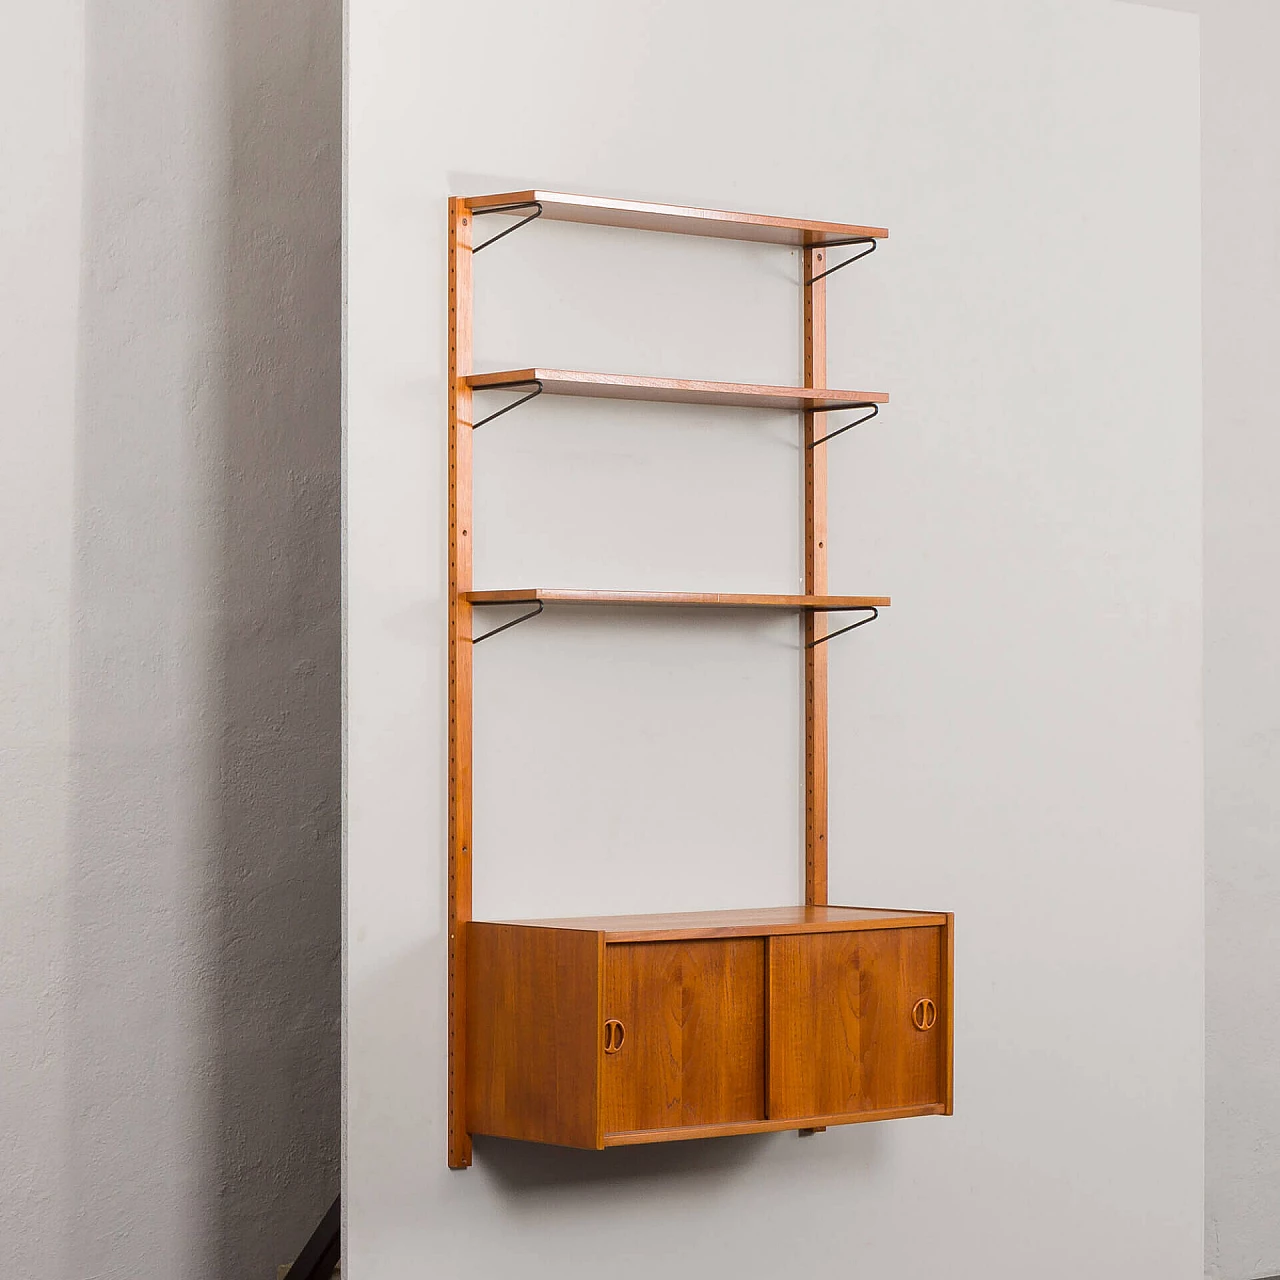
(925, 1013)
(614, 1034)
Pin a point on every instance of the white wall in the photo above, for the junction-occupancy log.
(41, 78)
(1242, 621)
(1240, 136)
(169, 702)
(1241, 191)
(1018, 739)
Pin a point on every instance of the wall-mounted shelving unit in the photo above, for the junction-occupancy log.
(610, 1031)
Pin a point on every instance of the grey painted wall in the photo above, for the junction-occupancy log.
(40, 195)
(1241, 103)
(1240, 99)
(1018, 738)
(171, 714)
(189, 70)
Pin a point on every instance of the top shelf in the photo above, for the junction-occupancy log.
(639, 215)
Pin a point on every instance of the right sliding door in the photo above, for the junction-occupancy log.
(857, 1022)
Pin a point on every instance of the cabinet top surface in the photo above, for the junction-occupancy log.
(641, 215)
(738, 923)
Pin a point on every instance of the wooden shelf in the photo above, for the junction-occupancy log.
(638, 215)
(685, 1133)
(707, 599)
(749, 923)
(618, 386)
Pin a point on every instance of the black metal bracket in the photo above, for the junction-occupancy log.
(848, 426)
(535, 205)
(536, 384)
(835, 244)
(853, 626)
(515, 622)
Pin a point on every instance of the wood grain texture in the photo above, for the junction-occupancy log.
(708, 599)
(740, 923)
(533, 1034)
(460, 692)
(812, 1123)
(642, 215)
(947, 1015)
(735, 1021)
(618, 386)
(693, 1051)
(813, 626)
(841, 1038)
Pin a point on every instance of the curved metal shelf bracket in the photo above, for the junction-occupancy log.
(506, 626)
(535, 205)
(853, 626)
(848, 426)
(536, 384)
(840, 266)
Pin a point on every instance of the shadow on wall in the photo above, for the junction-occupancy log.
(523, 1168)
(202, 1130)
(392, 1016)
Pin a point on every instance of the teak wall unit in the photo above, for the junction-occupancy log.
(616, 1030)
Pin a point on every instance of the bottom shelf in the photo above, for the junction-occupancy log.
(638, 1137)
(613, 1031)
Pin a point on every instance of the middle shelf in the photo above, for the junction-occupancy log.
(618, 386)
(709, 599)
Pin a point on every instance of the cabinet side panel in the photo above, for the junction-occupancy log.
(948, 1038)
(533, 1034)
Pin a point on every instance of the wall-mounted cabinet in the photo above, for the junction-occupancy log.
(618, 1030)
(601, 1032)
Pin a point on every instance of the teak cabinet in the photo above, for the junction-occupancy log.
(608, 1031)
(600, 1033)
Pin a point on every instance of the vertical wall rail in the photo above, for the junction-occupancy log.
(814, 625)
(460, 538)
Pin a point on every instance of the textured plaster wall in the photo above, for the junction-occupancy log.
(171, 715)
(1018, 738)
(41, 78)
